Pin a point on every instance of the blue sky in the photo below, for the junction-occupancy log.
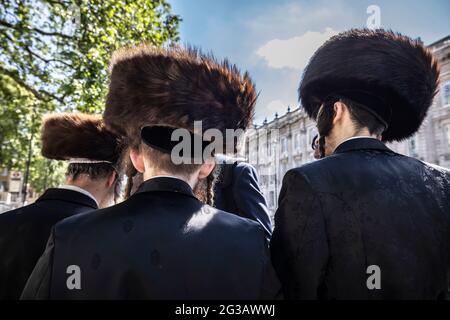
(273, 40)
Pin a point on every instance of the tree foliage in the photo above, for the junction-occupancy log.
(54, 56)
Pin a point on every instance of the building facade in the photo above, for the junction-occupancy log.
(285, 142)
(11, 190)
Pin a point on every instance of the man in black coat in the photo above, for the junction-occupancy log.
(163, 242)
(24, 232)
(365, 222)
(237, 191)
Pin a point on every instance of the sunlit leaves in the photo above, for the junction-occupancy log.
(54, 56)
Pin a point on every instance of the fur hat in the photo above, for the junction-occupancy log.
(395, 77)
(77, 135)
(175, 87)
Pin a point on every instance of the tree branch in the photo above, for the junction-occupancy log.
(42, 32)
(39, 94)
(31, 52)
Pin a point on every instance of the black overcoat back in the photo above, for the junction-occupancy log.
(364, 223)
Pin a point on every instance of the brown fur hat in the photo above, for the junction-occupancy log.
(393, 75)
(175, 86)
(77, 135)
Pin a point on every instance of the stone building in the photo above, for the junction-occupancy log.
(285, 142)
(11, 190)
(432, 142)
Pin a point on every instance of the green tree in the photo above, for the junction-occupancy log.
(54, 56)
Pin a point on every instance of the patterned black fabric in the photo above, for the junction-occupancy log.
(364, 205)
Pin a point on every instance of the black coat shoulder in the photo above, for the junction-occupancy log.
(24, 233)
(237, 191)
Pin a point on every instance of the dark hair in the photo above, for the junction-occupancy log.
(93, 170)
(325, 123)
(162, 161)
(204, 190)
(359, 115)
(362, 118)
(96, 171)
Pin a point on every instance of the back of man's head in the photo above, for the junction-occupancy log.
(90, 149)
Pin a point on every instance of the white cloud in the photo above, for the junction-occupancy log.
(291, 18)
(293, 52)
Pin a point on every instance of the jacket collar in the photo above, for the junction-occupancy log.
(168, 184)
(80, 190)
(226, 175)
(68, 196)
(361, 144)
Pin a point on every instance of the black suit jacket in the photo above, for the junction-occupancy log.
(364, 205)
(25, 231)
(161, 243)
(237, 191)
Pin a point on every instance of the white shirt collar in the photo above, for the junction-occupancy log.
(163, 176)
(80, 190)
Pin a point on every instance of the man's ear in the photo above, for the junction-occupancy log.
(111, 179)
(339, 110)
(137, 159)
(206, 169)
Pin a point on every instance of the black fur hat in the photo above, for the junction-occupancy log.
(78, 135)
(392, 75)
(175, 86)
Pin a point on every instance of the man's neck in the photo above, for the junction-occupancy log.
(364, 134)
(157, 174)
(92, 190)
(345, 133)
(73, 187)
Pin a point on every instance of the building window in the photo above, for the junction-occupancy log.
(271, 199)
(445, 92)
(272, 179)
(283, 145)
(447, 133)
(263, 180)
(311, 133)
(262, 151)
(297, 141)
(283, 169)
(413, 147)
